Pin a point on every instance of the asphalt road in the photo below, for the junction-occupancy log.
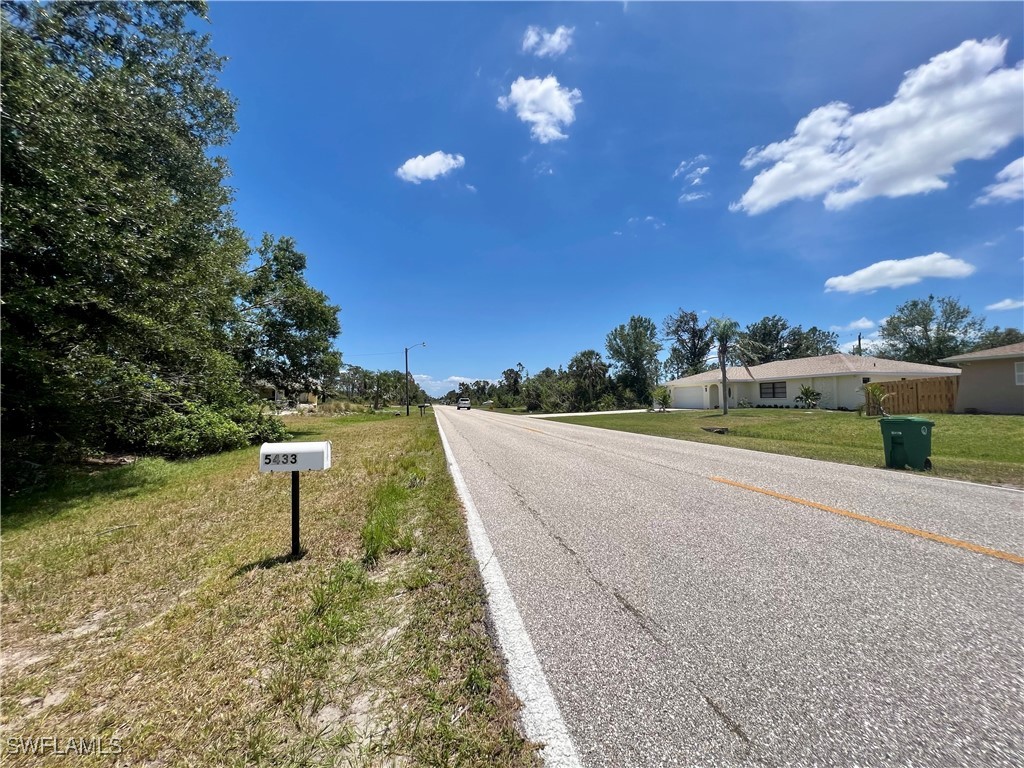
(682, 619)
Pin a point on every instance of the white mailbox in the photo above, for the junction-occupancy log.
(295, 457)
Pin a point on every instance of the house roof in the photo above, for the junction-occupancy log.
(826, 365)
(996, 353)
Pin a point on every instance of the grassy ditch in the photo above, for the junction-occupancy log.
(154, 609)
(983, 449)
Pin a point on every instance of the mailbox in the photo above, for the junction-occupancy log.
(295, 457)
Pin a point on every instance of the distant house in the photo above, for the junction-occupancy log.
(280, 398)
(992, 380)
(839, 378)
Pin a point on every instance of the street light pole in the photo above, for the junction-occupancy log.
(421, 344)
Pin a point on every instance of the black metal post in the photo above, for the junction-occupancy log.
(295, 514)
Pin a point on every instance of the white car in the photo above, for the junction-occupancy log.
(463, 403)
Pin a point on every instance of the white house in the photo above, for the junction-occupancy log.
(839, 378)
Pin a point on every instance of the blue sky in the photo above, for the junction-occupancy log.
(508, 182)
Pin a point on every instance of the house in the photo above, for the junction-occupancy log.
(839, 378)
(992, 380)
(280, 398)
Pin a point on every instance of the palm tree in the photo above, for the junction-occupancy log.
(725, 332)
(590, 370)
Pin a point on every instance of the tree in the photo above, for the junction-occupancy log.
(997, 337)
(588, 371)
(634, 348)
(927, 330)
(121, 259)
(726, 333)
(287, 328)
(813, 342)
(691, 344)
(767, 340)
(513, 381)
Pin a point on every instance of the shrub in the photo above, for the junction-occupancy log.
(662, 397)
(808, 397)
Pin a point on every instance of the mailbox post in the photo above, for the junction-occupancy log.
(295, 458)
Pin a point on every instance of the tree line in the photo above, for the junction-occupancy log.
(378, 389)
(136, 315)
(920, 331)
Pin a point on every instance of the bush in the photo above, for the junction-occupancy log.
(808, 397)
(196, 430)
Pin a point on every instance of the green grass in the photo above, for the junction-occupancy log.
(983, 449)
(158, 603)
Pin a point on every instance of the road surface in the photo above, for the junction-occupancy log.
(692, 604)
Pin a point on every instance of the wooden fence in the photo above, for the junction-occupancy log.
(921, 395)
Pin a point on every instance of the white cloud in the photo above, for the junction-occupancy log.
(962, 105)
(544, 104)
(617, 232)
(471, 188)
(894, 273)
(689, 197)
(420, 168)
(547, 44)
(654, 221)
(1009, 185)
(999, 306)
(857, 325)
(686, 165)
(696, 176)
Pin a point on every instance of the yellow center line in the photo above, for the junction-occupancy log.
(881, 523)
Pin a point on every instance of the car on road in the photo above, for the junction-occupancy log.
(463, 403)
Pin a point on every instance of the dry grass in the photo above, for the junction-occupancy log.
(155, 604)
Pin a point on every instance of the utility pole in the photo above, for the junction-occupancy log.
(421, 344)
(860, 350)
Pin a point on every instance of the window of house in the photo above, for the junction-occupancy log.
(1018, 370)
(773, 389)
(865, 380)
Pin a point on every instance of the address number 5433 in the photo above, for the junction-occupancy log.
(281, 458)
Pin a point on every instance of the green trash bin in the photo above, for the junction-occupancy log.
(907, 441)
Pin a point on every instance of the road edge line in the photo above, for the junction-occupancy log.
(542, 720)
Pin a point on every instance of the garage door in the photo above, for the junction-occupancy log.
(687, 397)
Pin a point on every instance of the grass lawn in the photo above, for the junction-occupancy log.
(983, 449)
(155, 604)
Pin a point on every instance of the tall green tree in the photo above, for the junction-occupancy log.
(512, 378)
(767, 339)
(120, 257)
(286, 329)
(589, 372)
(690, 344)
(997, 337)
(726, 333)
(927, 330)
(813, 342)
(634, 348)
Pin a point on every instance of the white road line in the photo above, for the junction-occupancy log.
(540, 716)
